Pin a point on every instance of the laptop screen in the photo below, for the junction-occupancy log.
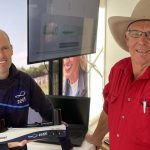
(74, 110)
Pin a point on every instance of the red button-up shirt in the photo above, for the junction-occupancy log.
(129, 126)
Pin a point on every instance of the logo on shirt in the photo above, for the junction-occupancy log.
(21, 97)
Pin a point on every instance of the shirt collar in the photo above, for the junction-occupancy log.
(146, 74)
(129, 71)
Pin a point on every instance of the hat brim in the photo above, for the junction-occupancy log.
(118, 26)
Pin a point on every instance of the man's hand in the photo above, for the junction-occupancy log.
(16, 144)
(100, 131)
(93, 140)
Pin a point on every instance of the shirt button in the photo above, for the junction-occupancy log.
(122, 116)
(118, 135)
(129, 99)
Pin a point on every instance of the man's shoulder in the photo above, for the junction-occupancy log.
(123, 63)
(24, 75)
(18, 74)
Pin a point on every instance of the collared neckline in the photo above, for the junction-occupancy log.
(129, 71)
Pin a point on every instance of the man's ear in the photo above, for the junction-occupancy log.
(11, 46)
(11, 49)
(126, 39)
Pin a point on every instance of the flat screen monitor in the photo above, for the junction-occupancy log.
(61, 28)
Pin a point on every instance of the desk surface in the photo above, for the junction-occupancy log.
(42, 146)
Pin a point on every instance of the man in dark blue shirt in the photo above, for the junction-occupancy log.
(18, 91)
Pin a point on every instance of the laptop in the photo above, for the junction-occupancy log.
(75, 112)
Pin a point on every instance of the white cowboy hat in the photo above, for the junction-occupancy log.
(118, 25)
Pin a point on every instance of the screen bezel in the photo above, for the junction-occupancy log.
(56, 57)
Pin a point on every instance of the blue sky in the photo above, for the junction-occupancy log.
(13, 20)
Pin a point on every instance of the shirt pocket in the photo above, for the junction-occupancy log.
(142, 131)
(111, 100)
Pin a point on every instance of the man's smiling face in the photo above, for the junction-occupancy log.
(138, 41)
(6, 53)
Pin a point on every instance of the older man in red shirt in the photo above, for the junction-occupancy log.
(126, 113)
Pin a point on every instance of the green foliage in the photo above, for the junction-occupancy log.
(35, 71)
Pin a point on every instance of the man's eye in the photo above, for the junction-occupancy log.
(138, 34)
(5, 48)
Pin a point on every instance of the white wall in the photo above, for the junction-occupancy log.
(96, 69)
(113, 51)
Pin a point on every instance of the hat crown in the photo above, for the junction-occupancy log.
(142, 10)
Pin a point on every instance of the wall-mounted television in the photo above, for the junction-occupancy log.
(61, 28)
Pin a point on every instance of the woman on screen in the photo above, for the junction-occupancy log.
(75, 76)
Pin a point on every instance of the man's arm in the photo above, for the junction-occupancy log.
(100, 131)
(17, 144)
